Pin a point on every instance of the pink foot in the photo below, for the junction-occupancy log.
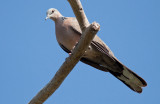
(69, 54)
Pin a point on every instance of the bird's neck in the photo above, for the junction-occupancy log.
(60, 19)
(57, 16)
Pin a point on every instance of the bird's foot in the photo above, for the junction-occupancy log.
(73, 49)
(70, 53)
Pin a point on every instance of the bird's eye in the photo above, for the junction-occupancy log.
(52, 11)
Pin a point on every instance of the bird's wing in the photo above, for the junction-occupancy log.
(97, 42)
(74, 26)
(86, 61)
(116, 68)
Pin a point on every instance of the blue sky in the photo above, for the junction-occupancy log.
(30, 55)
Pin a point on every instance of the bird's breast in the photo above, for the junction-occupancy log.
(66, 37)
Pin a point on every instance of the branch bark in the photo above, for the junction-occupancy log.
(79, 13)
(88, 33)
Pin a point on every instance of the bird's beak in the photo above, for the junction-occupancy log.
(46, 18)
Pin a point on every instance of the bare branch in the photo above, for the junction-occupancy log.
(87, 35)
(79, 13)
(67, 66)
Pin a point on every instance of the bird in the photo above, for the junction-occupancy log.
(97, 55)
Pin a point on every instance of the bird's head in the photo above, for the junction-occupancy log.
(53, 14)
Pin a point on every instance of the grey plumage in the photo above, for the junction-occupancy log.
(97, 55)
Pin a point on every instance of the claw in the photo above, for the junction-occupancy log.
(69, 54)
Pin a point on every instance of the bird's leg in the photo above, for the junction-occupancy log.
(73, 48)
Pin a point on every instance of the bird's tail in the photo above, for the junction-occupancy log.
(129, 78)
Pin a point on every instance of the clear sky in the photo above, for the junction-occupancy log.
(30, 55)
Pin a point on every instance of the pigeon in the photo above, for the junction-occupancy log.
(97, 55)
